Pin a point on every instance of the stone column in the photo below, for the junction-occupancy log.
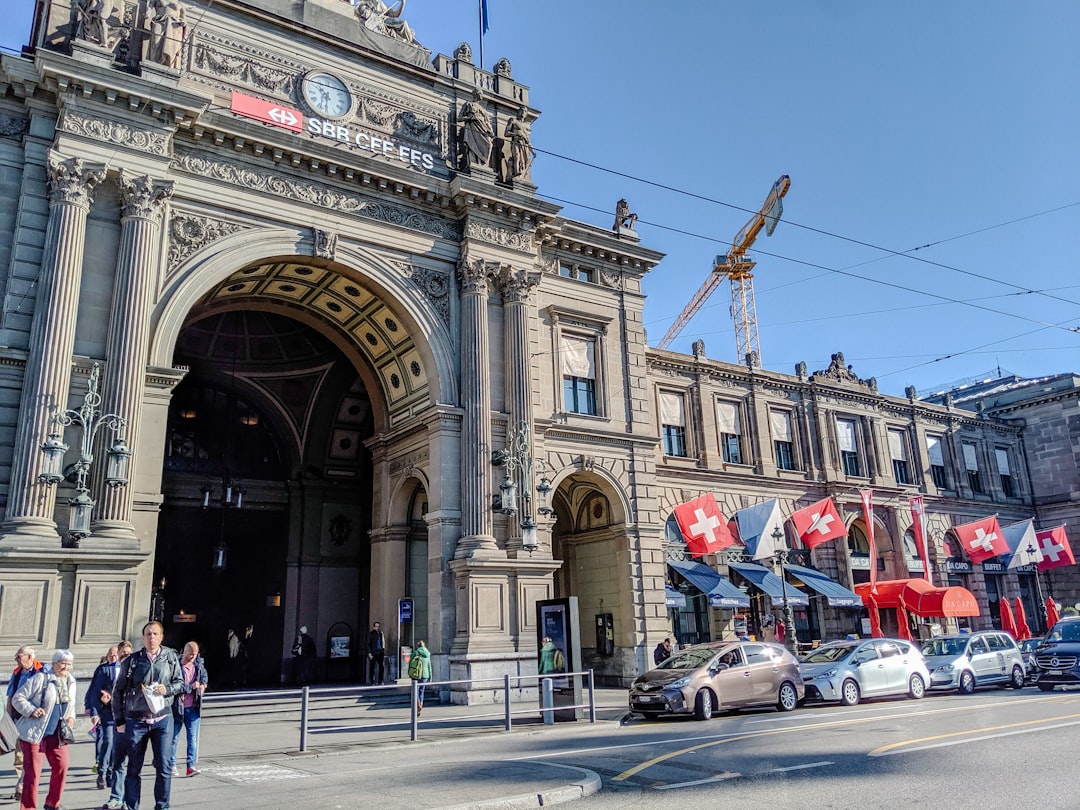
(143, 200)
(29, 519)
(476, 517)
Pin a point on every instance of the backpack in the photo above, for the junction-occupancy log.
(559, 660)
(416, 667)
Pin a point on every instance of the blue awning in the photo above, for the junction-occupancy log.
(721, 593)
(672, 598)
(836, 594)
(769, 583)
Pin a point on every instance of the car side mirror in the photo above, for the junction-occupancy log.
(970, 654)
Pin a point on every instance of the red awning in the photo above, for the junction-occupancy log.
(920, 597)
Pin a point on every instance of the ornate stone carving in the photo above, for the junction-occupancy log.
(463, 53)
(516, 283)
(115, 132)
(325, 244)
(11, 125)
(71, 180)
(315, 194)
(98, 21)
(143, 197)
(474, 275)
(167, 32)
(244, 70)
(612, 279)
(519, 240)
(840, 372)
(502, 68)
(188, 234)
(434, 285)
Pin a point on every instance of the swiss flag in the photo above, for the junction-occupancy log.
(1055, 548)
(982, 539)
(702, 525)
(819, 523)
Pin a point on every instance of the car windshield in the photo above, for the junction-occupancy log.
(1065, 631)
(829, 653)
(1030, 644)
(690, 659)
(944, 646)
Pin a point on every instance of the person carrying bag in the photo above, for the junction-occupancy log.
(46, 705)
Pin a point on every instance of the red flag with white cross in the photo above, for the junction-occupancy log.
(982, 539)
(818, 523)
(702, 525)
(1055, 548)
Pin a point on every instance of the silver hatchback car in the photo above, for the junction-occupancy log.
(967, 660)
(849, 671)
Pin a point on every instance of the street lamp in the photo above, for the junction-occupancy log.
(781, 555)
(516, 459)
(118, 456)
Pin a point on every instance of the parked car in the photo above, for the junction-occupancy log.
(849, 671)
(1027, 652)
(1058, 657)
(719, 675)
(967, 660)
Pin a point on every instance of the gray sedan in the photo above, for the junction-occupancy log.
(848, 671)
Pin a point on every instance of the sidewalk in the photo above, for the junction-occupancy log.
(359, 757)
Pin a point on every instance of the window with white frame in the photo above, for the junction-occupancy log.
(849, 449)
(898, 450)
(971, 466)
(937, 462)
(673, 423)
(1008, 487)
(577, 354)
(783, 442)
(729, 426)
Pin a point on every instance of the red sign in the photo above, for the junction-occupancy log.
(268, 113)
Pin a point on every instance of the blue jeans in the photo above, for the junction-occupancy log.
(103, 749)
(119, 766)
(160, 737)
(421, 682)
(190, 722)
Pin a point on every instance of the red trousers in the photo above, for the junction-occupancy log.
(34, 756)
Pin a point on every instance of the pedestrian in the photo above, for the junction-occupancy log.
(376, 645)
(304, 652)
(420, 671)
(768, 630)
(46, 707)
(237, 660)
(98, 704)
(546, 664)
(781, 631)
(662, 652)
(26, 664)
(118, 766)
(142, 704)
(187, 708)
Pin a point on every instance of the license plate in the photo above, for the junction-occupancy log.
(647, 698)
(1053, 672)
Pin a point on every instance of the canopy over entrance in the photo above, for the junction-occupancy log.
(920, 597)
(769, 583)
(721, 592)
(835, 593)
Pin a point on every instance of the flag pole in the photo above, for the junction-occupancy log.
(480, 9)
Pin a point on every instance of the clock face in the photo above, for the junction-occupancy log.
(327, 95)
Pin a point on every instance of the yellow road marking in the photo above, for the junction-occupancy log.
(879, 751)
(673, 754)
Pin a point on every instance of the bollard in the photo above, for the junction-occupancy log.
(304, 697)
(506, 700)
(592, 697)
(548, 690)
(415, 699)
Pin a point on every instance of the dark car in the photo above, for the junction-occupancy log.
(1058, 657)
(1027, 652)
(726, 675)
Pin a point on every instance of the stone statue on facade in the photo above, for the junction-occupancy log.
(463, 53)
(476, 132)
(624, 217)
(375, 15)
(166, 32)
(95, 21)
(518, 137)
(502, 68)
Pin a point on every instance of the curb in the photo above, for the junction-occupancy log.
(587, 785)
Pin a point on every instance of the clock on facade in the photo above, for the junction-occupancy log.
(327, 95)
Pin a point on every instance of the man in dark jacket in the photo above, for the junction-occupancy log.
(142, 705)
(376, 653)
(662, 652)
(98, 704)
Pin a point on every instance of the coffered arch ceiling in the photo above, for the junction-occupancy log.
(348, 311)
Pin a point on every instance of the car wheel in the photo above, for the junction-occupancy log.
(703, 705)
(849, 693)
(967, 683)
(916, 687)
(787, 699)
(1017, 681)
(1046, 687)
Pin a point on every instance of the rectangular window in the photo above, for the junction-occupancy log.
(568, 270)
(937, 461)
(971, 465)
(898, 451)
(1007, 485)
(783, 444)
(729, 426)
(849, 454)
(578, 357)
(673, 424)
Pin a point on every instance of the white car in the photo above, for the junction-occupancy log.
(850, 671)
(967, 660)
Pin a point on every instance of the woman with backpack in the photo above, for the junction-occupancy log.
(420, 671)
(46, 703)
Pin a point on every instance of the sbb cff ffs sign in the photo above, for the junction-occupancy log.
(405, 610)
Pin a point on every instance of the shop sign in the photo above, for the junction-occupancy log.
(860, 562)
(958, 566)
(994, 568)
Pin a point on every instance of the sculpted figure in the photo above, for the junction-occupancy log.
(376, 16)
(518, 135)
(476, 130)
(624, 217)
(166, 32)
(93, 21)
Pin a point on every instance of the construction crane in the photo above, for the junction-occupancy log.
(737, 267)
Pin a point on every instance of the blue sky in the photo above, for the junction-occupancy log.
(946, 129)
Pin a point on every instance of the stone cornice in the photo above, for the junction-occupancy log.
(575, 239)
